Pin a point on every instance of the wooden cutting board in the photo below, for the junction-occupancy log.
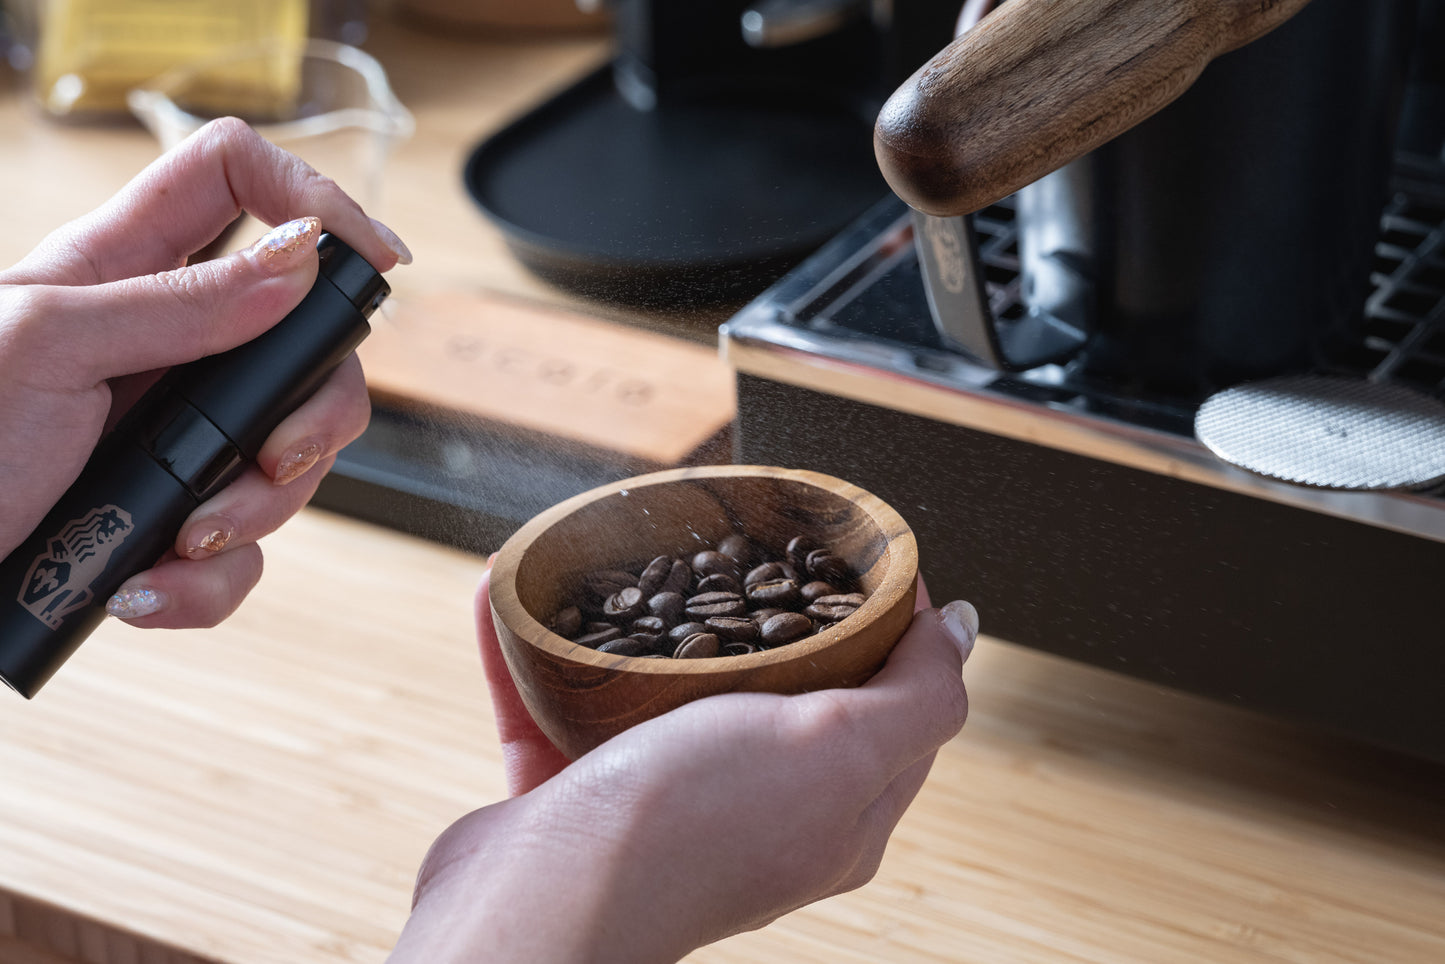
(549, 370)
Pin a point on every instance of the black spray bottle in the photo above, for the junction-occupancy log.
(187, 438)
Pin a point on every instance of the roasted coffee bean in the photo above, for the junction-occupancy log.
(707, 604)
(739, 549)
(698, 646)
(702, 605)
(719, 582)
(774, 593)
(628, 646)
(596, 638)
(654, 641)
(608, 582)
(678, 578)
(797, 551)
(826, 567)
(815, 590)
(680, 632)
(769, 570)
(624, 605)
(567, 622)
(786, 628)
(831, 609)
(736, 629)
(654, 576)
(652, 625)
(710, 562)
(667, 606)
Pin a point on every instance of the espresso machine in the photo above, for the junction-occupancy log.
(1029, 358)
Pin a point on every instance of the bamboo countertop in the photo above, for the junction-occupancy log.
(264, 791)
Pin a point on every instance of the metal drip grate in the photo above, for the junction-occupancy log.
(1405, 315)
(998, 250)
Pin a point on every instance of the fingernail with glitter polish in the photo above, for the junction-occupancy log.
(134, 603)
(960, 620)
(388, 237)
(278, 247)
(295, 462)
(209, 536)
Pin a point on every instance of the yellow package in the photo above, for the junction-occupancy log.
(91, 52)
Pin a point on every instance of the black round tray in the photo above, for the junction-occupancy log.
(687, 204)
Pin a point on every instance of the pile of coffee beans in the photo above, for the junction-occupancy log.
(725, 601)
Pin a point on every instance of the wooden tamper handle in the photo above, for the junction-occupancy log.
(1039, 83)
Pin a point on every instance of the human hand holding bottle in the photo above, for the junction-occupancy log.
(105, 304)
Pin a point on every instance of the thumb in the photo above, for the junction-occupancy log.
(158, 320)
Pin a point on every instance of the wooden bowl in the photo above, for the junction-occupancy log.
(581, 697)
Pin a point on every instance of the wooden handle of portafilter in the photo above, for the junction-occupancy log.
(1039, 83)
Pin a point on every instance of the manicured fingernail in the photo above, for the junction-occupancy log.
(296, 462)
(960, 620)
(280, 245)
(134, 603)
(388, 237)
(209, 536)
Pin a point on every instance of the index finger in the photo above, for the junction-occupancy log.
(185, 198)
